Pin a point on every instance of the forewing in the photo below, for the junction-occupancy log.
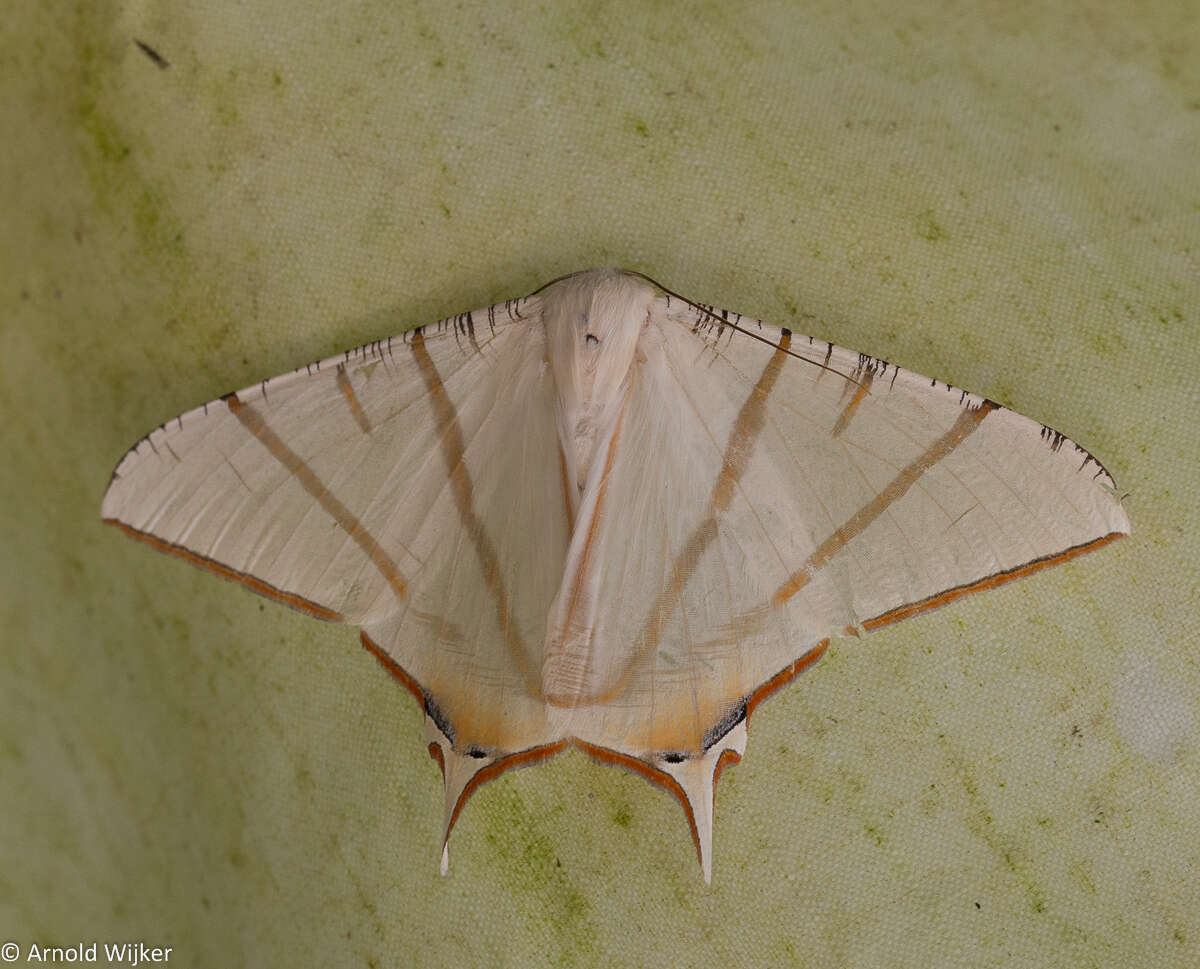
(411, 487)
(776, 491)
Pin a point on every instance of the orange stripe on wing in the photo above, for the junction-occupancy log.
(728, 758)
(748, 426)
(655, 776)
(251, 582)
(523, 758)
(785, 676)
(356, 408)
(393, 667)
(738, 451)
(454, 456)
(988, 582)
(253, 421)
(864, 388)
(962, 428)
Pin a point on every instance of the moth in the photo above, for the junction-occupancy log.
(608, 517)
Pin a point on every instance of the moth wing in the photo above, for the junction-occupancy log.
(774, 491)
(411, 487)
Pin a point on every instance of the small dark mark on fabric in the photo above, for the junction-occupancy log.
(159, 61)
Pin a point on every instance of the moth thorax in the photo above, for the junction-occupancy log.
(593, 322)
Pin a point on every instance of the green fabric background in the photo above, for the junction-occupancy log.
(1004, 196)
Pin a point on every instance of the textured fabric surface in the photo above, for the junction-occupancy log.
(1007, 199)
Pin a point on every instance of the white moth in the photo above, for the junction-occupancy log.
(606, 516)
